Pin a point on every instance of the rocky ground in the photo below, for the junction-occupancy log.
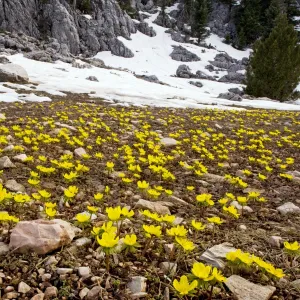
(194, 163)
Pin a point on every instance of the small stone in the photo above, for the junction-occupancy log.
(51, 261)
(5, 163)
(296, 284)
(169, 248)
(20, 157)
(288, 208)
(38, 297)
(167, 294)
(72, 128)
(62, 271)
(4, 249)
(240, 208)
(8, 289)
(14, 186)
(153, 206)
(214, 256)
(82, 242)
(51, 292)
(23, 287)
(11, 295)
(243, 289)
(178, 221)
(79, 152)
(83, 292)
(93, 294)
(275, 241)
(168, 142)
(178, 201)
(84, 271)
(137, 284)
(41, 271)
(213, 178)
(243, 227)
(168, 268)
(9, 148)
(46, 277)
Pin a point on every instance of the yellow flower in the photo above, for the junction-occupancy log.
(198, 225)
(142, 184)
(70, 176)
(152, 230)
(262, 177)
(215, 220)
(127, 180)
(98, 196)
(153, 216)
(294, 247)
(201, 271)
(231, 210)
(92, 209)
(179, 231)
(50, 205)
(109, 228)
(230, 196)
(130, 240)
(21, 198)
(185, 243)
(50, 212)
(44, 194)
(168, 218)
(33, 181)
(71, 191)
(190, 188)
(83, 218)
(108, 240)
(110, 165)
(253, 195)
(216, 275)
(223, 201)
(126, 213)
(114, 214)
(183, 287)
(242, 200)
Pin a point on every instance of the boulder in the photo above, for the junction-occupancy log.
(157, 206)
(41, 236)
(233, 77)
(14, 186)
(180, 53)
(236, 91)
(79, 152)
(168, 142)
(202, 75)
(39, 56)
(196, 83)
(144, 28)
(243, 289)
(5, 163)
(20, 157)
(164, 20)
(92, 78)
(230, 96)
(4, 60)
(216, 255)
(150, 78)
(13, 73)
(183, 71)
(177, 37)
(288, 208)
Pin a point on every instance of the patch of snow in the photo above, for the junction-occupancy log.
(89, 17)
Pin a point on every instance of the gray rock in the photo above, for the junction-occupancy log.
(4, 60)
(153, 206)
(4, 249)
(183, 71)
(51, 292)
(213, 178)
(83, 292)
(216, 255)
(150, 78)
(11, 295)
(275, 241)
(51, 261)
(96, 62)
(288, 208)
(5, 163)
(80, 65)
(13, 73)
(9, 148)
(20, 157)
(236, 67)
(180, 53)
(210, 68)
(84, 271)
(144, 28)
(39, 56)
(177, 37)
(168, 142)
(94, 293)
(168, 268)
(223, 61)
(202, 75)
(23, 288)
(230, 96)
(63, 271)
(236, 91)
(137, 285)
(119, 49)
(240, 208)
(81, 242)
(38, 297)
(79, 152)
(92, 78)
(232, 77)
(243, 289)
(196, 83)
(296, 284)
(41, 236)
(14, 186)
(164, 21)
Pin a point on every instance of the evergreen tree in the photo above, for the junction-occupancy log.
(274, 68)
(200, 19)
(275, 8)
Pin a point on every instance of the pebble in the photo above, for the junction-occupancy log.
(84, 271)
(51, 292)
(63, 271)
(83, 292)
(23, 287)
(275, 241)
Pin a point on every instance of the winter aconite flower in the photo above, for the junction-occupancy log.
(183, 287)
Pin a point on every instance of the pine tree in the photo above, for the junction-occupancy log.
(274, 68)
(275, 8)
(200, 19)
